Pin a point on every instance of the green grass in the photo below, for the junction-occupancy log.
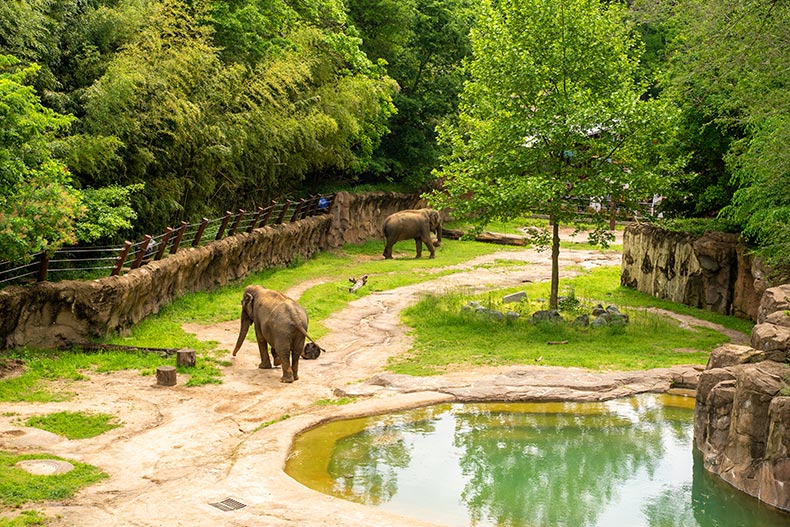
(43, 366)
(28, 518)
(18, 487)
(336, 402)
(447, 337)
(74, 425)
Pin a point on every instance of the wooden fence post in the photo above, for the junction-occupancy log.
(138, 260)
(269, 211)
(307, 208)
(255, 219)
(297, 210)
(313, 209)
(199, 235)
(224, 225)
(179, 235)
(163, 243)
(236, 222)
(286, 206)
(43, 265)
(121, 258)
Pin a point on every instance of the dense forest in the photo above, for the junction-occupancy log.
(119, 117)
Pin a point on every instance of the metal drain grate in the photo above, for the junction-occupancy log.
(228, 504)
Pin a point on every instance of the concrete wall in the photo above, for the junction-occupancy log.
(53, 314)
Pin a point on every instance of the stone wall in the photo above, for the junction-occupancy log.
(53, 314)
(712, 272)
(742, 420)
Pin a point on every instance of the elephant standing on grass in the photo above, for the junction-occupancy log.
(417, 224)
(280, 322)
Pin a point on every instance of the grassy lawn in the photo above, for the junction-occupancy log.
(448, 337)
(18, 486)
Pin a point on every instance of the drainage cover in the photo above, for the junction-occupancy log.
(228, 504)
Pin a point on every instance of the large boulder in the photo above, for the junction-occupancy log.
(742, 422)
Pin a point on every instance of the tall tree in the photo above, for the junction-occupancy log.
(423, 43)
(38, 203)
(732, 64)
(555, 115)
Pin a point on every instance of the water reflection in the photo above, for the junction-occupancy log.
(626, 462)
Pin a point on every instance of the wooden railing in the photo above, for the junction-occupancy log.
(81, 263)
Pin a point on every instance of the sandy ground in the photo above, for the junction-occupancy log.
(181, 449)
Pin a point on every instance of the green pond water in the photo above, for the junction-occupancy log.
(624, 463)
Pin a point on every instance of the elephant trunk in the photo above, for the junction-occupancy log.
(245, 327)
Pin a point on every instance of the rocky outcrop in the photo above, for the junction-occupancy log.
(53, 314)
(712, 272)
(742, 418)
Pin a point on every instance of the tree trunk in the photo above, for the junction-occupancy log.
(166, 375)
(555, 264)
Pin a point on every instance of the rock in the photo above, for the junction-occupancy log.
(771, 338)
(712, 272)
(546, 315)
(599, 322)
(773, 300)
(514, 297)
(582, 321)
(741, 422)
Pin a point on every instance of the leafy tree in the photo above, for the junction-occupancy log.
(732, 64)
(423, 43)
(554, 115)
(38, 203)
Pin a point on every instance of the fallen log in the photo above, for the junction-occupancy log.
(488, 237)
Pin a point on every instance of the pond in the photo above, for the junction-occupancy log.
(623, 462)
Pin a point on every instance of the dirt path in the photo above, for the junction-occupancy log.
(181, 449)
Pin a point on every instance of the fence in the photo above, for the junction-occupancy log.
(82, 263)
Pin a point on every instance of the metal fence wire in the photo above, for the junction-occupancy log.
(86, 263)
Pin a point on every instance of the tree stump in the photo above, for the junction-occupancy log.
(166, 375)
(185, 357)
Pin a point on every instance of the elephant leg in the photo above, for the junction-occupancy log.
(429, 245)
(419, 247)
(285, 358)
(388, 250)
(297, 346)
(276, 357)
(263, 349)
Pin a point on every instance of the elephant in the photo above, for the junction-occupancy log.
(417, 224)
(280, 322)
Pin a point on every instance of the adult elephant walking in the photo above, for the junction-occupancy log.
(280, 322)
(417, 224)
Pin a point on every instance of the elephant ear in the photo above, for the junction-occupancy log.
(246, 303)
(434, 219)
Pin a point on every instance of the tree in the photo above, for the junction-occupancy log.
(38, 204)
(731, 64)
(555, 115)
(423, 43)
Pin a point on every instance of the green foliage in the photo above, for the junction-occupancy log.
(18, 487)
(38, 203)
(553, 117)
(696, 226)
(423, 43)
(729, 70)
(106, 211)
(74, 425)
